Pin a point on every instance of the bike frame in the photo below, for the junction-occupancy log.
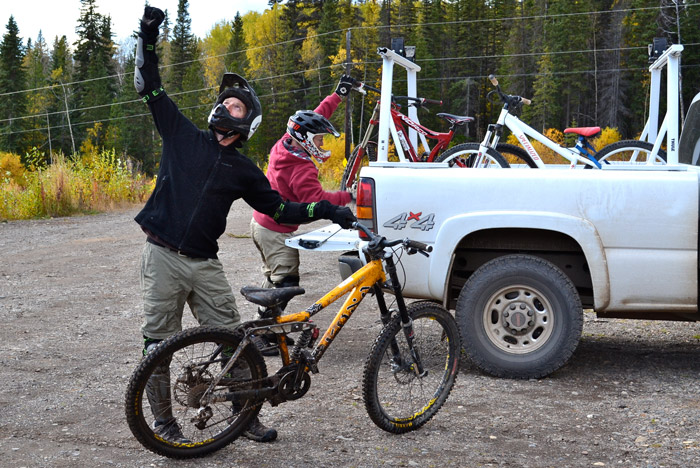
(399, 134)
(356, 287)
(575, 155)
(370, 277)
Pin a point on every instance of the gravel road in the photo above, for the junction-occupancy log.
(71, 312)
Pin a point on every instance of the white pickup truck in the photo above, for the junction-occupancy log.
(519, 253)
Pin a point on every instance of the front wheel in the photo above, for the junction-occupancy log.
(360, 157)
(515, 155)
(466, 155)
(398, 397)
(629, 152)
(166, 401)
(520, 317)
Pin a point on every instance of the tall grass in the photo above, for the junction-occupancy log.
(95, 182)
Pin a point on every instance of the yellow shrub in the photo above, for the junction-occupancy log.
(607, 136)
(11, 168)
(97, 182)
(331, 171)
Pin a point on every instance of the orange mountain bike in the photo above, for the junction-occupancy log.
(211, 382)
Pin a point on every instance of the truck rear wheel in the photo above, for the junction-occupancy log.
(520, 317)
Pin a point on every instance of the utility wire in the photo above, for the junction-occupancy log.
(339, 65)
(361, 28)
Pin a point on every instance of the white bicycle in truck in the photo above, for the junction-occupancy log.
(625, 151)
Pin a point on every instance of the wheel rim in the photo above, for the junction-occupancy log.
(631, 156)
(465, 158)
(404, 396)
(518, 319)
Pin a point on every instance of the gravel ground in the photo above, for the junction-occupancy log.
(70, 308)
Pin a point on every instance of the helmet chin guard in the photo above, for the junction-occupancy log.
(304, 125)
(222, 122)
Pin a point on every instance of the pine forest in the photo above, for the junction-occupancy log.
(582, 62)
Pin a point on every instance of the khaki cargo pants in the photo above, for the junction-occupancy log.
(169, 280)
(279, 261)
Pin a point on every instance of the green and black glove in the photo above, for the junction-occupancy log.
(146, 76)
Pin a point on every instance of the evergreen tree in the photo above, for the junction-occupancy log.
(196, 100)
(329, 40)
(94, 74)
(13, 104)
(639, 31)
(237, 58)
(61, 64)
(183, 50)
(36, 63)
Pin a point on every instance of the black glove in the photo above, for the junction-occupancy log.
(146, 76)
(152, 18)
(345, 84)
(342, 215)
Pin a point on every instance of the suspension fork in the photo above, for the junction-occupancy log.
(406, 321)
(385, 315)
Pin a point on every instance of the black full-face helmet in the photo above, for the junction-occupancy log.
(223, 123)
(304, 125)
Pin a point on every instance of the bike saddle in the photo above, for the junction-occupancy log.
(270, 297)
(456, 119)
(583, 131)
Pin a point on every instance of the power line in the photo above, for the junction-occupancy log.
(284, 75)
(361, 28)
(311, 88)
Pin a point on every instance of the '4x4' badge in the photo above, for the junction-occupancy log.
(417, 220)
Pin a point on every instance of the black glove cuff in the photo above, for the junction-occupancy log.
(322, 210)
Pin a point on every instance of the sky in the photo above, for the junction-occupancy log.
(56, 18)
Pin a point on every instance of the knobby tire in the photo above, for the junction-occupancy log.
(396, 399)
(190, 357)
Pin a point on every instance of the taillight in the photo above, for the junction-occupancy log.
(365, 204)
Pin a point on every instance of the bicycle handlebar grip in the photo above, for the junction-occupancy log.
(432, 101)
(526, 101)
(493, 80)
(411, 244)
(371, 88)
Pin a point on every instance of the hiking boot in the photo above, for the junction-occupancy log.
(171, 432)
(258, 432)
(265, 345)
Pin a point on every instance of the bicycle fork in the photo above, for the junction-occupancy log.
(406, 321)
(491, 139)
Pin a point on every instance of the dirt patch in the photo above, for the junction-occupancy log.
(71, 311)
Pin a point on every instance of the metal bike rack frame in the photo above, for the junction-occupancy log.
(389, 58)
(669, 127)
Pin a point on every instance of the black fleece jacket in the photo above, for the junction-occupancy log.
(199, 180)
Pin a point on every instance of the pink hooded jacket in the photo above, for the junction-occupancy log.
(296, 179)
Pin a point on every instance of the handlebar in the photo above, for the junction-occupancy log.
(417, 101)
(377, 243)
(506, 98)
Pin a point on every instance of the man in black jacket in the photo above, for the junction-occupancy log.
(201, 174)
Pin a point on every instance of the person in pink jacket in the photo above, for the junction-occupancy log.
(292, 171)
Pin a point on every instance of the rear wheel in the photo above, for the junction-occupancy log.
(466, 155)
(629, 152)
(165, 401)
(397, 398)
